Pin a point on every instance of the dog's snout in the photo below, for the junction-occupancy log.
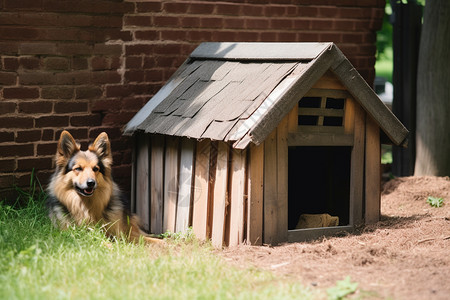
(90, 183)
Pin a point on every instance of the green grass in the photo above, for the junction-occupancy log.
(384, 65)
(38, 261)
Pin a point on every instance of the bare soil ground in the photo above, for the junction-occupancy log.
(406, 255)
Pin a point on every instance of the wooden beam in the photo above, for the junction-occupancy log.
(201, 189)
(185, 185)
(170, 183)
(256, 195)
(318, 139)
(238, 163)
(220, 195)
(157, 184)
(357, 169)
(270, 190)
(282, 181)
(372, 172)
(143, 181)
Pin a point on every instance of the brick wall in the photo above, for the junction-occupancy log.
(90, 65)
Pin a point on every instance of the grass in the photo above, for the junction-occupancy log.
(38, 261)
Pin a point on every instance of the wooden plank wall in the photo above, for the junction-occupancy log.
(182, 183)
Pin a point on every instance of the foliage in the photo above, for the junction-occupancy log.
(342, 289)
(435, 202)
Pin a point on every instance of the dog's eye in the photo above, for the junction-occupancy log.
(95, 169)
(79, 169)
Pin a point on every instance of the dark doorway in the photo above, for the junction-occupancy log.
(319, 182)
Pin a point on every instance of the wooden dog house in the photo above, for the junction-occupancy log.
(246, 137)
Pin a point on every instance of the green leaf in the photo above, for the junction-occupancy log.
(435, 202)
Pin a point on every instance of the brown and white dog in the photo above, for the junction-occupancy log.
(82, 191)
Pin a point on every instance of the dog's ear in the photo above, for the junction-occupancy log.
(67, 145)
(101, 146)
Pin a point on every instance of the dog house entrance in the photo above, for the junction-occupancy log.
(318, 184)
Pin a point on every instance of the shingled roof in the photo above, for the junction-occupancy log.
(239, 92)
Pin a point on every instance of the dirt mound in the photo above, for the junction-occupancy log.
(404, 256)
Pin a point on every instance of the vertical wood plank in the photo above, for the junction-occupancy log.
(293, 119)
(270, 189)
(201, 189)
(349, 117)
(170, 183)
(220, 195)
(133, 174)
(185, 185)
(282, 180)
(238, 164)
(256, 195)
(143, 181)
(357, 168)
(372, 172)
(157, 184)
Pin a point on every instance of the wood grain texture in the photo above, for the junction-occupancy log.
(157, 184)
(282, 181)
(372, 172)
(238, 164)
(170, 183)
(270, 190)
(256, 195)
(143, 181)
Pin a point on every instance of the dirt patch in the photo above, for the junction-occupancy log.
(404, 256)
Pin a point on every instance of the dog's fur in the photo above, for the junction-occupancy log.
(82, 191)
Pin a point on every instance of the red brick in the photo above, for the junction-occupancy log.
(76, 77)
(88, 92)
(211, 22)
(226, 36)
(258, 23)
(74, 48)
(52, 121)
(46, 148)
(20, 93)
(321, 24)
(28, 136)
(17, 150)
(147, 35)
(117, 119)
(190, 22)
(286, 36)
(37, 48)
(48, 135)
(35, 107)
(79, 63)
(37, 78)
(107, 105)
(100, 63)
(19, 33)
(6, 182)
(150, 6)
(139, 21)
(353, 38)
(139, 49)
(154, 75)
(57, 92)
(234, 23)
(113, 133)
(149, 62)
(201, 8)
(107, 49)
(56, 63)
(70, 107)
(173, 35)
(134, 76)
(133, 62)
(307, 11)
(86, 120)
(134, 103)
(252, 10)
(29, 62)
(6, 136)
(176, 7)
(27, 164)
(10, 63)
(165, 21)
(7, 107)
(8, 78)
(7, 165)
(101, 77)
(16, 122)
(23, 4)
(275, 10)
(228, 9)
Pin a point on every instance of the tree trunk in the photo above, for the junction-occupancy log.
(433, 92)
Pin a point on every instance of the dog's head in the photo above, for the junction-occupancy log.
(86, 169)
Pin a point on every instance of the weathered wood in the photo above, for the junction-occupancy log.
(256, 195)
(133, 174)
(321, 129)
(238, 163)
(329, 81)
(201, 189)
(326, 112)
(330, 93)
(362, 92)
(293, 120)
(185, 185)
(170, 183)
(259, 51)
(349, 117)
(357, 168)
(270, 190)
(319, 139)
(220, 195)
(157, 184)
(282, 181)
(372, 172)
(302, 235)
(143, 181)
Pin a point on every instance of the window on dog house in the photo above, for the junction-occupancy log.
(261, 143)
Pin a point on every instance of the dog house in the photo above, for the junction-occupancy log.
(261, 143)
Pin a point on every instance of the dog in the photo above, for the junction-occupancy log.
(82, 191)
